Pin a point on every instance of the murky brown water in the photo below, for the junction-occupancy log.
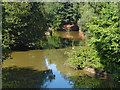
(64, 76)
(62, 34)
(47, 69)
(35, 59)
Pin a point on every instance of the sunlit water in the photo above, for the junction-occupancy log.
(58, 75)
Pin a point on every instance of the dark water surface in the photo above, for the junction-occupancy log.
(47, 69)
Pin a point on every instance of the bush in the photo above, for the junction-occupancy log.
(23, 24)
(85, 57)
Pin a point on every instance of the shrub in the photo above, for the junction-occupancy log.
(85, 57)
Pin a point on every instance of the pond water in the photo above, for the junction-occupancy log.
(47, 69)
(63, 34)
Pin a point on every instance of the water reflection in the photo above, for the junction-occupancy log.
(59, 81)
(64, 77)
(50, 66)
(14, 77)
(89, 82)
(46, 69)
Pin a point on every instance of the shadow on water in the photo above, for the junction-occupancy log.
(46, 69)
(90, 82)
(56, 42)
(15, 77)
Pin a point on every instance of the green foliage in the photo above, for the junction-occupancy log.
(85, 57)
(51, 11)
(106, 34)
(6, 53)
(54, 42)
(23, 25)
(59, 14)
(86, 14)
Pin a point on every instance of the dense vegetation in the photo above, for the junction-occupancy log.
(25, 23)
(59, 14)
(104, 33)
(22, 25)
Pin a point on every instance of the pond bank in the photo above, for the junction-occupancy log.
(94, 72)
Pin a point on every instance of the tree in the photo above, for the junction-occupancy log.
(51, 11)
(104, 31)
(23, 24)
(61, 13)
(86, 12)
(106, 36)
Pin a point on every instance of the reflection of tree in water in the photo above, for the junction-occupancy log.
(89, 82)
(14, 77)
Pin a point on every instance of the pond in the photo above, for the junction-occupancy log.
(64, 34)
(47, 69)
